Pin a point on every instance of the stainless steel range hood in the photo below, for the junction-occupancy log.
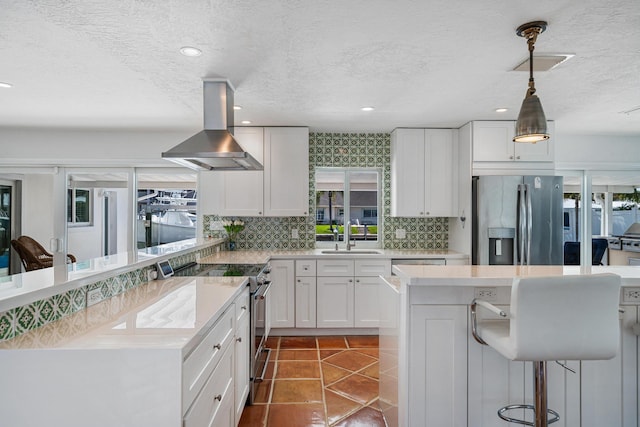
(214, 148)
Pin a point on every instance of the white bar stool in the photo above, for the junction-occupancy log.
(553, 318)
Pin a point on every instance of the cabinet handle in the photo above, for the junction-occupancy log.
(298, 280)
(350, 280)
(217, 346)
(244, 307)
(239, 339)
(421, 213)
(259, 213)
(357, 280)
(518, 157)
(427, 213)
(511, 157)
(218, 398)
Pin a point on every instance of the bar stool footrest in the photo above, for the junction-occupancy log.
(504, 409)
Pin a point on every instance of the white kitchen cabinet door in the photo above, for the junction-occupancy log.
(282, 294)
(438, 366)
(367, 303)
(235, 193)
(305, 302)
(335, 302)
(441, 176)
(609, 388)
(407, 172)
(241, 369)
(286, 171)
(493, 142)
(423, 173)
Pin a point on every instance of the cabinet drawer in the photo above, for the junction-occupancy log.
(373, 267)
(242, 305)
(306, 267)
(199, 365)
(215, 395)
(335, 267)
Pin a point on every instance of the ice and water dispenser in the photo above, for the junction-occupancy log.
(501, 241)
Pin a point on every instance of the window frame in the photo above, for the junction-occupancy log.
(377, 244)
(71, 194)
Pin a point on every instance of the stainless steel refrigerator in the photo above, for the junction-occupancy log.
(517, 220)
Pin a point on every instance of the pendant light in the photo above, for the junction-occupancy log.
(532, 123)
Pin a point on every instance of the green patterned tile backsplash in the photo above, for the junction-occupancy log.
(341, 150)
(19, 320)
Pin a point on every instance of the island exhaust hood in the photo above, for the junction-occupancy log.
(214, 148)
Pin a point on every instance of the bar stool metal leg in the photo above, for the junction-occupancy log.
(540, 410)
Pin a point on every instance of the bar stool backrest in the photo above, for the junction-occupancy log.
(565, 318)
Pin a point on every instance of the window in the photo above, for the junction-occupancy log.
(347, 195)
(79, 207)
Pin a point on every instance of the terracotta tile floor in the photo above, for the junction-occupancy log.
(318, 381)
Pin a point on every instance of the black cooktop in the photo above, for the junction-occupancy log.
(195, 269)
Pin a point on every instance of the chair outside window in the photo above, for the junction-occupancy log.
(33, 255)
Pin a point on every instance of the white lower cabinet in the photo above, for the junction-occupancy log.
(366, 304)
(306, 302)
(609, 388)
(335, 302)
(282, 294)
(347, 292)
(242, 353)
(214, 406)
(437, 371)
(445, 378)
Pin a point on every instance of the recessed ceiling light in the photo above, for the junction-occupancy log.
(246, 122)
(237, 107)
(5, 85)
(190, 51)
(501, 110)
(367, 108)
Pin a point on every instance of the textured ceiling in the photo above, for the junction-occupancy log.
(438, 63)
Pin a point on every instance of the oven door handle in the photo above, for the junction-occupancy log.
(264, 368)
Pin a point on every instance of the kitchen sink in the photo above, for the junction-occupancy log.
(352, 252)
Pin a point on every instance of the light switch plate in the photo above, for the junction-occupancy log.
(401, 233)
(294, 233)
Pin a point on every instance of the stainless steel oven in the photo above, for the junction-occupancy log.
(260, 327)
(259, 285)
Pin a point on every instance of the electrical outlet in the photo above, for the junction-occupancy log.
(94, 296)
(487, 294)
(294, 233)
(401, 233)
(631, 295)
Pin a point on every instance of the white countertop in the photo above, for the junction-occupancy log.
(494, 275)
(163, 314)
(22, 289)
(259, 257)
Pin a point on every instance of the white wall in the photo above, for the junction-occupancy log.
(37, 207)
(597, 152)
(70, 147)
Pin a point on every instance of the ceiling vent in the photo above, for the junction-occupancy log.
(544, 62)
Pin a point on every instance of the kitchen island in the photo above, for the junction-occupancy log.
(161, 354)
(433, 373)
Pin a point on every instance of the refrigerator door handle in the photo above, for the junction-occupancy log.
(529, 223)
(521, 218)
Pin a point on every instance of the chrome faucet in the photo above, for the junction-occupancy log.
(347, 236)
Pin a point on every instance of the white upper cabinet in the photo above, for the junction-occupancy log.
(424, 178)
(493, 142)
(281, 189)
(286, 171)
